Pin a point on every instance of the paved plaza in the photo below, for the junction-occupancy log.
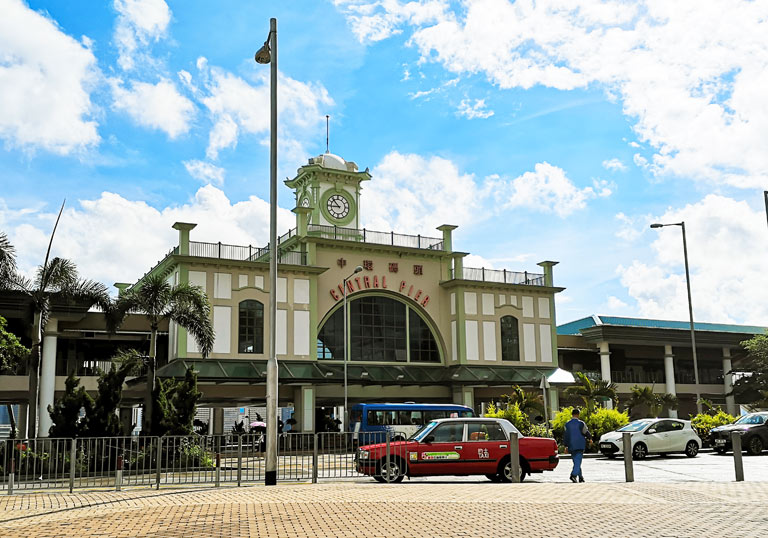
(672, 497)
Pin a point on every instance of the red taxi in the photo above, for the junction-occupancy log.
(460, 447)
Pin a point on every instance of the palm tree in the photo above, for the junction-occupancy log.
(158, 300)
(655, 402)
(56, 279)
(528, 402)
(591, 392)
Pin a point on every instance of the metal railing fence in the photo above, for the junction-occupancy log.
(116, 462)
(501, 276)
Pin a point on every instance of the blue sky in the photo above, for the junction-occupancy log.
(554, 130)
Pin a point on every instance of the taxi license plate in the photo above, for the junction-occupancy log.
(719, 441)
(606, 445)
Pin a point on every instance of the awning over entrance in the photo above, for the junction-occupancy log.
(255, 371)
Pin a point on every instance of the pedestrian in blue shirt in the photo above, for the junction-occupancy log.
(575, 438)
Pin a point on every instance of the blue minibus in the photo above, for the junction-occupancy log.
(401, 419)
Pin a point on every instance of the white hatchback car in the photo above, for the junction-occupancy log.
(653, 436)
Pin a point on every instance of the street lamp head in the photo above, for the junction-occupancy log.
(263, 55)
(358, 269)
(657, 225)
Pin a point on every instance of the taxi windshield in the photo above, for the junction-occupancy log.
(419, 434)
(635, 426)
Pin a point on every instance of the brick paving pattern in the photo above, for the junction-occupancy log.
(372, 510)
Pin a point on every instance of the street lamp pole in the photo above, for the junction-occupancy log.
(690, 312)
(268, 54)
(346, 348)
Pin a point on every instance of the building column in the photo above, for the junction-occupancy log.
(217, 421)
(21, 422)
(669, 376)
(126, 419)
(304, 409)
(605, 367)
(47, 384)
(554, 401)
(730, 401)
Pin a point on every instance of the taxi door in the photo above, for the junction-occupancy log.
(486, 444)
(442, 454)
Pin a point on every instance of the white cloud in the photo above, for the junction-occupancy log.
(46, 78)
(616, 305)
(727, 260)
(239, 107)
(157, 106)
(139, 24)
(690, 74)
(615, 165)
(423, 193)
(205, 172)
(474, 260)
(111, 255)
(546, 189)
(476, 110)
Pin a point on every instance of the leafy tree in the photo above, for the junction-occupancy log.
(158, 300)
(65, 412)
(704, 422)
(103, 421)
(175, 405)
(512, 413)
(58, 279)
(12, 353)
(645, 396)
(591, 392)
(751, 387)
(527, 402)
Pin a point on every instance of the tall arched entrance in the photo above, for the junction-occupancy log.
(381, 329)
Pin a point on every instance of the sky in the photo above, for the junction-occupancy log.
(546, 130)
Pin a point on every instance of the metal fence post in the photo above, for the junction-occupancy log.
(737, 461)
(119, 473)
(217, 476)
(72, 464)
(239, 459)
(629, 471)
(314, 459)
(388, 456)
(514, 456)
(13, 468)
(159, 461)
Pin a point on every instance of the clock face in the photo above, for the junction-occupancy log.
(338, 206)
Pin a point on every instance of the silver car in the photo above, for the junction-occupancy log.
(653, 436)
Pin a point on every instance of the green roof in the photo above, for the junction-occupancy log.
(255, 371)
(574, 327)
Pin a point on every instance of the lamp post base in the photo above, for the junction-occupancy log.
(270, 478)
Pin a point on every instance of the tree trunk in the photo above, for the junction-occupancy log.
(34, 377)
(9, 407)
(146, 419)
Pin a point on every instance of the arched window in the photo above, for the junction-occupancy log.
(510, 339)
(250, 335)
(381, 330)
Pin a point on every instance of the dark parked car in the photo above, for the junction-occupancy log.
(753, 429)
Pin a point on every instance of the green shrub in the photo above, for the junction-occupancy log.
(600, 422)
(513, 414)
(704, 422)
(538, 430)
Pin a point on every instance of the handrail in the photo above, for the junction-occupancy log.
(371, 236)
(501, 276)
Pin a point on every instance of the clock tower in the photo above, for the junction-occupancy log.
(329, 188)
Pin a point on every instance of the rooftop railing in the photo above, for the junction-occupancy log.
(243, 253)
(501, 276)
(378, 238)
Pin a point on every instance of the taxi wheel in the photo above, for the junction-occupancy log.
(393, 469)
(506, 471)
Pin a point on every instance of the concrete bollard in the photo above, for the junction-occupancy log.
(738, 464)
(314, 459)
(72, 464)
(119, 473)
(239, 459)
(12, 474)
(629, 471)
(388, 458)
(514, 457)
(218, 470)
